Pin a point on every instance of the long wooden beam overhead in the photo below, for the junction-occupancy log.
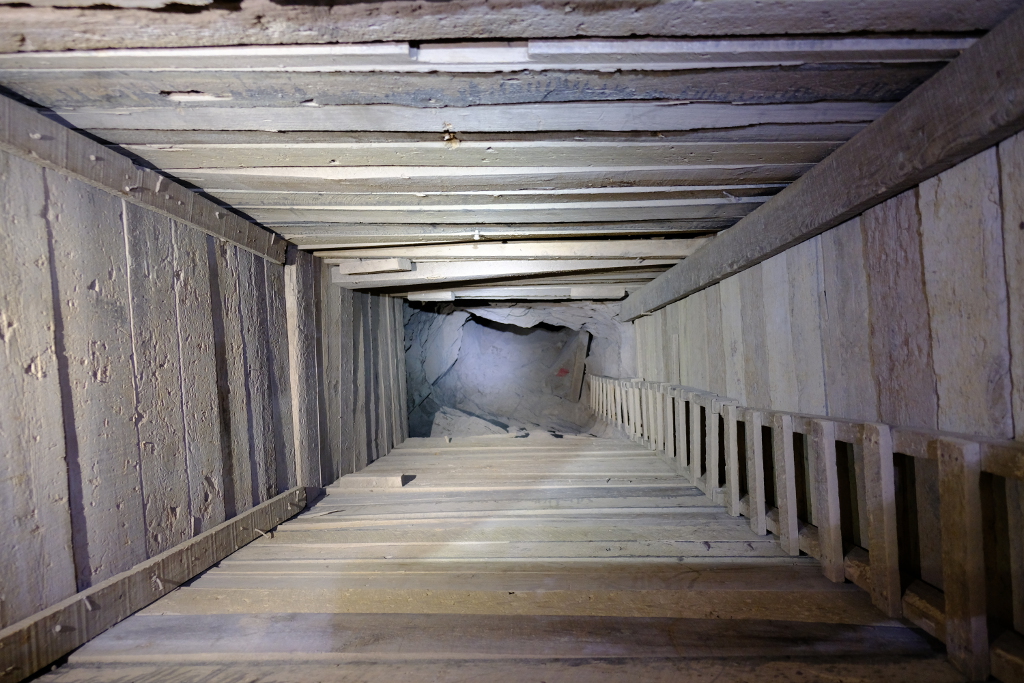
(973, 103)
(536, 293)
(576, 249)
(26, 133)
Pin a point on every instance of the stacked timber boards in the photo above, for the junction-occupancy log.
(554, 559)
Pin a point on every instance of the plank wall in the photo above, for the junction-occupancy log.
(911, 314)
(158, 381)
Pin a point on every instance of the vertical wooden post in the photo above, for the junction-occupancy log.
(711, 426)
(670, 437)
(1015, 519)
(963, 555)
(695, 442)
(880, 494)
(826, 514)
(755, 472)
(682, 462)
(732, 460)
(785, 482)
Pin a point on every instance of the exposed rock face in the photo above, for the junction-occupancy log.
(517, 366)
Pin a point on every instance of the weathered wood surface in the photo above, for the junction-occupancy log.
(57, 29)
(755, 341)
(253, 309)
(971, 105)
(333, 316)
(28, 134)
(300, 304)
(95, 339)
(497, 576)
(1011, 164)
(201, 411)
(37, 567)
(965, 283)
(782, 384)
(806, 284)
(156, 361)
(279, 376)
(626, 249)
(33, 643)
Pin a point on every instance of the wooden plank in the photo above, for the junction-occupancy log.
(300, 305)
(753, 421)
(785, 482)
(546, 249)
(880, 500)
(256, 358)
(234, 405)
(849, 379)
(963, 557)
(1015, 526)
(965, 284)
(549, 293)
(32, 643)
(347, 377)
(38, 568)
(1011, 166)
(716, 347)
(401, 407)
(434, 273)
(782, 386)
(294, 149)
(27, 134)
(732, 340)
(198, 351)
(970, 106)
(279, 375)
(755, 342)
(698, 341)
(604, 116)
(806, 284)
(826, 512)
(901, 345)
(1008, 658)
(332, 455)
(148, 238)
(95, 334)
(368, 266)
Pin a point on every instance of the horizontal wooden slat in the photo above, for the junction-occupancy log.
(550, 293)
(576, 249)
(608, 116)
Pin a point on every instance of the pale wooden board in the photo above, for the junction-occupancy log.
(279, 374)
(605, 116)
(732, 341)
(253, 307)
(95, 324)
(755, 351)
(332, 418)
(362, 435)
(347, 377)
(965, 285)
(717, 372)
(805, 307)
(198, 348)
(234, 406)
(300, 304)
(698, 338)
(849, 378)
(901, 344)
(37, 568)
(782, 383)
(577, 249)
(157, 365)
(1011, 163)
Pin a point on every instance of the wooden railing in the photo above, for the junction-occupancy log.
(843, 492)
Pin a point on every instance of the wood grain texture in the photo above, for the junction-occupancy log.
(300, 303)
(197, 347)
(901, 344)
(849, 383)
(332, 317)
(717, 382)
(965, 284)
(37, 566)
(880, 499)
(1011, 166)
(971, 105)
(253, 307)
(88, 252)
(698, 329)
(732, 341)
(157, 365)
(806, 284)
(755, 339)
(279, 374)
(782, 384)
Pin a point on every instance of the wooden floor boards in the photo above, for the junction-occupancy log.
(536, 559)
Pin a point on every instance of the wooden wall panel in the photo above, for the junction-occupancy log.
(156, 362)
(36, 563)
(94, 336)
(755, 341)
(347, 382)
(779, 335)
(197, 347)
(280, 378)
(257, 363)
(965, 283)
(715, 348)
(1011, 162)
(849, 378)
(803, 264)
(698, 361)
(330, 443)
(900, 335)
(732, 340)
(301, 303)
